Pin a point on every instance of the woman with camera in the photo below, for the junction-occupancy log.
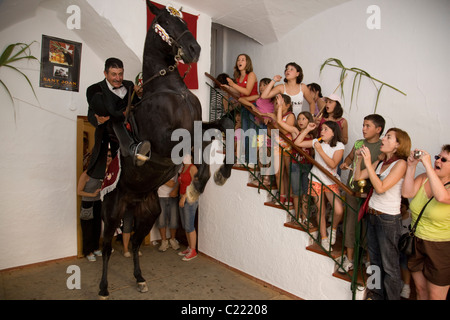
(430, 263)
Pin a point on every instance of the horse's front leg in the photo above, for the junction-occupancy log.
(198, 184)
(222, 174)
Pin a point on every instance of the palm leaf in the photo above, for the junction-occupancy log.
(28, 80)
(6, 54)
(10, 96)
(378, 97)
(333, 62)
(7, 90)
(7, 57)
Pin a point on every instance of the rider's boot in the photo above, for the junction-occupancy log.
(140, 151)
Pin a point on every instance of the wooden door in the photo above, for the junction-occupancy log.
(85, 143)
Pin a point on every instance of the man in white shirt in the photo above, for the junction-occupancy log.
(107, 101)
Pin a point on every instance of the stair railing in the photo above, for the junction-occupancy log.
(311, 207)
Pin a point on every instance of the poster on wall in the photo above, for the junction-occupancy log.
(60, 64)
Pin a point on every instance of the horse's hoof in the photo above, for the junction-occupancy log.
(103, 297)
(219, 179)
(142, 287)
(192, 194)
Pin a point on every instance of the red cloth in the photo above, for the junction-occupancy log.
(185, 179)
(365, 205)
(191, 79)
(111, 176)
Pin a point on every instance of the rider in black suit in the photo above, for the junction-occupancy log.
(108, 100)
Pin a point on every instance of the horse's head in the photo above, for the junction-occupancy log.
(174, 33)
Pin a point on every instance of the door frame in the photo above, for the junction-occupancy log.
(84, 129)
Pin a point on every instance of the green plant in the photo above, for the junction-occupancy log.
(359, 73)
(15, 52)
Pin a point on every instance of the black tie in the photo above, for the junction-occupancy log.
(118, 87)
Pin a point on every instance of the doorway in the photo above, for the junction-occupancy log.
(85, 143)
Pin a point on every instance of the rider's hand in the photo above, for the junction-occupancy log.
(101, 120)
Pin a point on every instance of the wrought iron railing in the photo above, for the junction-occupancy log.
(306, 207)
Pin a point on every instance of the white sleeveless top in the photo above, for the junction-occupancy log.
(389, 201)
(297, 101)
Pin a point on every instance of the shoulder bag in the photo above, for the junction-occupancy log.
(407, 242)
(87, 213)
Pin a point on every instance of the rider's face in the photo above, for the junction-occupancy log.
(114, 76)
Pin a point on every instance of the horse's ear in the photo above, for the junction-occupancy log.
(154, 9)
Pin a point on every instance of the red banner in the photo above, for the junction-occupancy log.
(191, 79)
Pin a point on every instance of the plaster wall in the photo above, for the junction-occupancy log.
(236, 228)
(407, 52)
(38, 161)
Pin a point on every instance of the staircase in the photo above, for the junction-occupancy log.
(241, 227)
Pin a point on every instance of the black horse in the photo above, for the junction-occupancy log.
(166, 105)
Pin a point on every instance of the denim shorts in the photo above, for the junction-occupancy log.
(299, 178)
(187, 216)
(169, 213)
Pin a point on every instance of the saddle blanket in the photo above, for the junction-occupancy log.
(112, 176)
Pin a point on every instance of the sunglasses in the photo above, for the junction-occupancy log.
(440, 157)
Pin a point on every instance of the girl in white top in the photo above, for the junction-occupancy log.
(292, 87)
(384, 219)
(328, 153)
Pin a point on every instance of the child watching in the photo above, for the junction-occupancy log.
(333, 112)
(329, 151)
(300, 166)
(373, 127)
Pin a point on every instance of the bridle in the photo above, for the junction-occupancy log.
(171, 42)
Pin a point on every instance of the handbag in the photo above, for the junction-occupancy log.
(365, 206)
(87, 213)
(407, 241)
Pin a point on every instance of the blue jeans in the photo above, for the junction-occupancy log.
(169, 213)
(300, 178)
(247, 122)
(383, 233)
(187, 215)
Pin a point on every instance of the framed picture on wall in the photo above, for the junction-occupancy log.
(60, 64)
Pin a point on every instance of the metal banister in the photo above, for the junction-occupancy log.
(289, 141)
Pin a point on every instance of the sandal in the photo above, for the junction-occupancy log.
(307, 224)
(266, 181)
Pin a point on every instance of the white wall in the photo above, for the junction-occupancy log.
(236, 228)
(38, 158)
(408, 52)
(37, 162)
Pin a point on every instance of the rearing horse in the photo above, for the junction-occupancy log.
(166, 105)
